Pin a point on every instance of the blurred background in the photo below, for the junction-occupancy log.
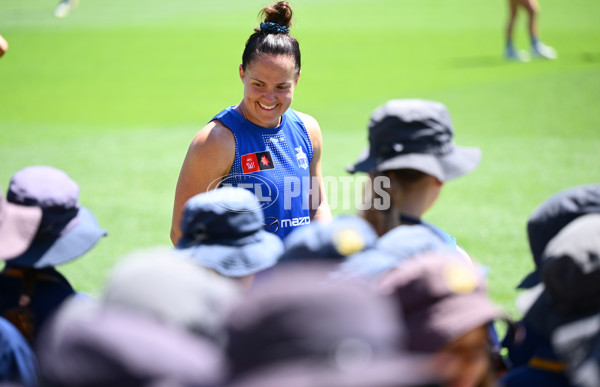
(114, 92)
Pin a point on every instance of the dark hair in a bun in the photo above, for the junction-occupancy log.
(279, 13)
(273, 35)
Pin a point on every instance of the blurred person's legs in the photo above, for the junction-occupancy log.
(64, 7)
(538, 49)
(511, 53)
(532, 8)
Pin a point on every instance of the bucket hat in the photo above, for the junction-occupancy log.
(163, 284)
(415, 134)
(337, 240)
(394, 247)
(87, 344)
(18, 226)
(296, 330)
(223, 229)
(578, 344)
(442, 296)
(570, 271)
(552, 216)
(67, 229)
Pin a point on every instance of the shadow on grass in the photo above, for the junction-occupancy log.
(591, 57)
(478, 61)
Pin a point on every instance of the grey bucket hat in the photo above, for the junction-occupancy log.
(88, 344)
(415, 134)
(163, 284)
(297, 330)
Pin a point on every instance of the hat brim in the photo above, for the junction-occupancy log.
(542, 316)
(373, 263)
(432, 328)
(73, 244)
(460, 161)
(18, 228)
(528, 297)
(111, 345)
(365, 163)
(368, 265)
(397, 370)
(531, 280)
(578, 344)
(250, 255)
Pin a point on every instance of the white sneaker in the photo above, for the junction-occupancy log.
(540, 50)
(516, 55)
(64, 7)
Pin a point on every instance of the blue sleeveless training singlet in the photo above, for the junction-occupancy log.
(275, 165)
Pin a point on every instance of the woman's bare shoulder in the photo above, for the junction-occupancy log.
(214, 134)
(313, 129)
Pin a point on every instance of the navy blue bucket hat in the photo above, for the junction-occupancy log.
(415, 134)
(223, 229)
(67, 229)
(570, 272)
(552, 216)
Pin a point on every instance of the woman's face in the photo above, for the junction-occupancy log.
(269, 83)
(465, 361)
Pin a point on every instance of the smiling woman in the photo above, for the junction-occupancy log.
(261, 144)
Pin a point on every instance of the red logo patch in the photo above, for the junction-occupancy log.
(250, 162)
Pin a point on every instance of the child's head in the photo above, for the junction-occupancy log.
(411, 150)
(447, 313)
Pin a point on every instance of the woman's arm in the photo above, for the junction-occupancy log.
(208, 160)
(319, 207)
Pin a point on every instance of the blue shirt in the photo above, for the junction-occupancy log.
(274, 164)
(18, 363)
(534, 361)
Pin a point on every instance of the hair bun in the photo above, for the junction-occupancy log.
(279, 13)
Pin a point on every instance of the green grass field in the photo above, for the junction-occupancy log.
(113, 94)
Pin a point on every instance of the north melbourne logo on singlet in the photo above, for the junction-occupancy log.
(259, 161)
(301, 158)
